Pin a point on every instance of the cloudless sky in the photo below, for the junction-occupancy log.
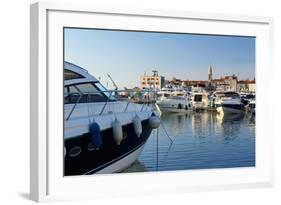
(126, 55)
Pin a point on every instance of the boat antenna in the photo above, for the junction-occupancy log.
(114, 84)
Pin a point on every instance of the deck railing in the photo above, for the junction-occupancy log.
(113, 95)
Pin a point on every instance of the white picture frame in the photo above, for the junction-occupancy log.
(46, 177)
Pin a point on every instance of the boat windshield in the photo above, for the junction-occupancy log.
(176, 97)
(86, 93)
(232, 95)
(227, 95)
(109, 94)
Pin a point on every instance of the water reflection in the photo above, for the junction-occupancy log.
(200, 140)
(230, 118)
(201, 124)
(230, 125)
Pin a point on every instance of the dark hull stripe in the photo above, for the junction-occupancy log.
(113, 161)
(234, 106)
(92, 161)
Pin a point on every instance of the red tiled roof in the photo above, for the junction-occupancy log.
(247, 81)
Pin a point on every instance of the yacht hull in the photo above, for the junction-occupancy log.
(123, 163)
(230, 109)
(174, 105)
(175, 110)
(110, 157)
(199, 106)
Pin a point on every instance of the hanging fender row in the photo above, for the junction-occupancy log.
(117, 129)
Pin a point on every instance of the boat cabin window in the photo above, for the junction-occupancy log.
(250, 96)
(232, 95)
(252, 105)
(197, 98)
(70, 75)
(176, 98)
(83, 93)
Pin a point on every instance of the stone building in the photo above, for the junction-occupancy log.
(152, 81)
(231, 81)
(246, 86)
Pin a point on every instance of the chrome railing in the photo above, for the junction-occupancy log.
(112, 98)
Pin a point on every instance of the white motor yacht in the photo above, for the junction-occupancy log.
(228, 102)
(174, 104)
(101, 134)
(200, 100)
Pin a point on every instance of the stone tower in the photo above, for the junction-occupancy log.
(210, 73)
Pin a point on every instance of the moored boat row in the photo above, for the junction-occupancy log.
(224, 102)
(103, 134)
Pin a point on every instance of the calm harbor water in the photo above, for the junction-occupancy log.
(200, 140)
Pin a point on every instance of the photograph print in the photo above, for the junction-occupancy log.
(141, 101)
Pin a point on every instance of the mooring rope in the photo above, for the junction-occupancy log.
(166, 133)
(157, 148)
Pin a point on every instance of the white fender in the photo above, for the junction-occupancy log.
(137, 125)
(117, 131)
(64, 151)
(154, 122)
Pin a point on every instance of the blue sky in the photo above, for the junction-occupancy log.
(127, 55)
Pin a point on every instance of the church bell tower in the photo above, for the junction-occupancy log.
(210, 73)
